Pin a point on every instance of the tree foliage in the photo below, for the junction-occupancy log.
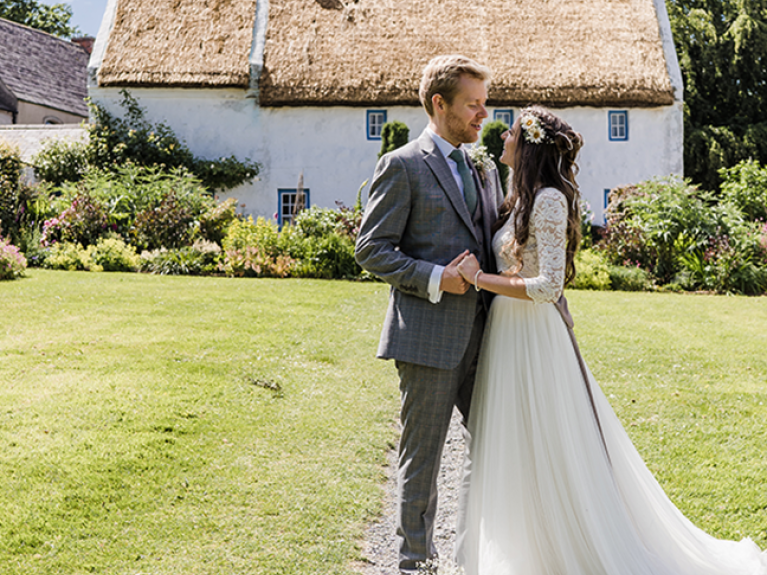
(491, 139)
(394, 134)
(53, 19)
(722, 50)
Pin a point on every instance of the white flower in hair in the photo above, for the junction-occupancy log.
(532, 129)
(528, 121)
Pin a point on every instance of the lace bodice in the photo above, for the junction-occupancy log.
(543, 256)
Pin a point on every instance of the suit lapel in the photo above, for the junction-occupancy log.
(438, 165)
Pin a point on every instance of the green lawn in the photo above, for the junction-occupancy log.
(176, 425)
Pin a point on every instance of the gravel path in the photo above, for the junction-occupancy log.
(379, 547)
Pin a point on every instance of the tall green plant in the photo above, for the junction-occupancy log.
(491, 139)
(394, 134)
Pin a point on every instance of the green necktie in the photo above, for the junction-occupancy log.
(469, 189)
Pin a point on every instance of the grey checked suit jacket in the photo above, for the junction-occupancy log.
(416, 217)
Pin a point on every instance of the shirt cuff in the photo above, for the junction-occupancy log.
(435, 294)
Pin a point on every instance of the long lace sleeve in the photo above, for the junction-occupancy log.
(549, 223)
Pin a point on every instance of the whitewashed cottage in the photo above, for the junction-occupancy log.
(304, 86)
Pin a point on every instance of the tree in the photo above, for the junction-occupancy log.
(394, 134)
(722, 50)
(491, 139)
(52, 19)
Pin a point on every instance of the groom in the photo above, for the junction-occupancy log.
(428, 208)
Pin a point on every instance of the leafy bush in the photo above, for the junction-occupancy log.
(491, 139)
(59, 161)
(253, 261)
(12, 261)
(653, 223)
(114, 255)
(394, 134)
(729, 264)
(217, 219)
(745, 187)
(623, 278)
(686, 237)
(130, 190)
(68, 256)
(22, 206)
(167, 225)
(591, 271)
(202, 258)
(83, 222)
(108, 254)
(329, 257)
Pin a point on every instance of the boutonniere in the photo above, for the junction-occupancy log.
(482, 160)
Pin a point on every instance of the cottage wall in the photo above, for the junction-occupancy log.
(36, 114)
(330, 146)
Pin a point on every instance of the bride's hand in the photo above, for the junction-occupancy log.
(468, 267)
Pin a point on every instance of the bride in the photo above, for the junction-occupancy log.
(556, 486)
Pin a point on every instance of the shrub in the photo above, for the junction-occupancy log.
(328, 257)
(591, 271)
(167, 225)
(653, 223)
(21, 206)
(83, 222)
(491, 139)
(745, 187)
(253, 261)
(202, 258)
(68, 256)
(59, 161)
(394, 134)
(130, 190)
(624, 278)
(114, 255)
(728, 265)
(12, 261)
(217, 219)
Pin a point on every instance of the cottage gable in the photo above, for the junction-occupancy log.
(41, 69)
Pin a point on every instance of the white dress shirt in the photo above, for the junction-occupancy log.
(445, 147)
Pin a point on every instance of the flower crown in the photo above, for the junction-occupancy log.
(532, 129)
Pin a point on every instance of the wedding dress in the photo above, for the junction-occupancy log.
(557, 487)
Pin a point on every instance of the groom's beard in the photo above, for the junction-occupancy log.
(459, 129)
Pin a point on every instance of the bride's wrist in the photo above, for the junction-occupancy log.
(476, 279)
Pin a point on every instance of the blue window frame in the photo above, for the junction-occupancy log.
(376, 120)
(505, 116)
(619, 126)
(289, 204)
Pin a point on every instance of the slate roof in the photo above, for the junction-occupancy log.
(42, 69)
(8, 101)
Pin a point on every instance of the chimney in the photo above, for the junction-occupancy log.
(86, 42)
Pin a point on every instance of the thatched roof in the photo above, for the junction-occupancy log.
(371, 52)
(179, 43)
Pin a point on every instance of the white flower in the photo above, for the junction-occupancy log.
(533, 131)
(528, 121)
(482, 160)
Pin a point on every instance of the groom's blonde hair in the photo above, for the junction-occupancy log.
(442, 74)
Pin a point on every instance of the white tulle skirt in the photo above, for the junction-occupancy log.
(544, 497)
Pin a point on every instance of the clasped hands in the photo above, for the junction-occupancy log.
(460, 273)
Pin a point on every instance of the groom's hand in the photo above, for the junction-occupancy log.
(452, 281)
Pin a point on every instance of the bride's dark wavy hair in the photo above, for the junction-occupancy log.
(549, 164)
